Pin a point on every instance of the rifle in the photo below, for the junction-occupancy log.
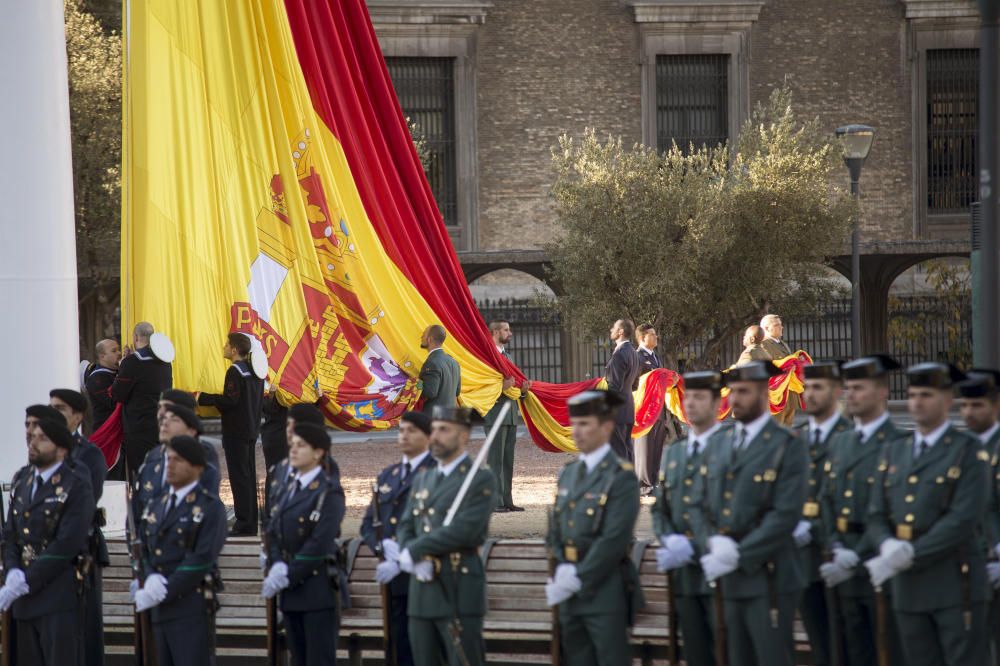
(720, 623)
(387, 644)
(556, 645)
(672, 621)
(145, 654)
(833, 609)
(6, 620)
(881, 628)
(270, 605)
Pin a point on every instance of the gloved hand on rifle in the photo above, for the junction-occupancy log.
(276, 581)
(841, 568)
(153, 592)
(894, 556)
(803, 534)
(993, 570)
(563, 586)
(389, 568)
(723, 557)
(423, 570)
(14, 588)
(675, 553)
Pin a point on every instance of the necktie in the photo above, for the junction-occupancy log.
(741, 443)
(406, 469)
(817, 437)
(38, 485)
(582, 471)
(921, 447)
(171, 506)
(860, 435)
(695, 447)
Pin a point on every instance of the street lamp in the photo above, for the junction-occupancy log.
(857, 142)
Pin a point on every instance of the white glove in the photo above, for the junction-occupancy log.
(386, 571)
(725, 549)
(276, 581)
(899, 554)
(390, 549)
(845, 558)
(565, 584)
(993, 569)
(263, 561)
(7, 598)
(144, 600)
(406, 561)
(833, 574)
(16, 582)
(668, 560)
(803, 534)
(716, 567)
(566, 574)
(879, 570)
(424, 571)
(133, 587)
(156, 587)
(680, 545)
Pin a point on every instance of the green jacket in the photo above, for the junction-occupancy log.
(849, 479)
(991, 523)
(491, 416)
(936, 502)
(676, 511)
(812, 555)
(756, 500)
(459, 584)
(591, 525)
(441, 381)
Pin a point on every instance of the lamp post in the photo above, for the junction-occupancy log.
(857, 142)
(986, 285)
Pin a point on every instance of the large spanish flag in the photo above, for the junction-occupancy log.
(270, 186)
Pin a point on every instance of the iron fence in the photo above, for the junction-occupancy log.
(536, 344)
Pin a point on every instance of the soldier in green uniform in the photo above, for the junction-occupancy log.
(440, 375)
(447, 599)
(590, 530)
(753, 491)
(501, 457)
(980, 407)
(929, 497)
(822, 393)
(680, 471)
(849, 475)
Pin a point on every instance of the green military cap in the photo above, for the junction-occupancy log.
(869, 367)
(934, 375)
(594, 403)
(823, 370)
(460, 415)
(754, 371)
(707, 380)
(980, 383)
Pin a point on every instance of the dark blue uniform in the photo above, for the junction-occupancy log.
(394, 490)
(141, 379)
(302, 533)
(183, 546)
(149, 484)
(45, 536)
(89, 459)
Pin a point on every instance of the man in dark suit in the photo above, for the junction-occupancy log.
(649, 449)
(99, 380)
(501, 455)
(440, 376)
(393, 488)
(240, 405)
(622, 373)
(141, 379)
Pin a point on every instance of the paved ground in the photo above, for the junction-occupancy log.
(361, 457)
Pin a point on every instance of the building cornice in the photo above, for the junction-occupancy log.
(941, 9)
(423, 12)
(696, 11)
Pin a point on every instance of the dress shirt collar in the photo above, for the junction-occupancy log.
(47, 474)
(502, 349)
(645, 349)
(753, 428)
(416, 460)
(870, 428)
(985, 436)
(597, 455)
(932, 437)
(824, 428)
(183, 492)
(447, 469)
(702, 439)
(307, 478)
(618, 345)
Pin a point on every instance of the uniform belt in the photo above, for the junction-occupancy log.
(907, 532)
(844, 526)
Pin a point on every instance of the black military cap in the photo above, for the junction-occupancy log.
(594, 403)
(313, 435)
(179, 397)
(45, 412)
(418, 420)
(707, 380)
(303, 412)
(823, 370)
(57, 432)
(980, 383)
(188, 448)
(460, 415)
(190, 419)
(934, 375)
(869, 367)
(754, 371)
(76, 400)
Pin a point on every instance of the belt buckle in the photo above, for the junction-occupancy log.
(570, 553)
(810, 509)
(27, 555)
(904, 532)
(842, 525)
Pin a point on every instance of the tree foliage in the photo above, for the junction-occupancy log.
(701, 242)
(94, 59)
